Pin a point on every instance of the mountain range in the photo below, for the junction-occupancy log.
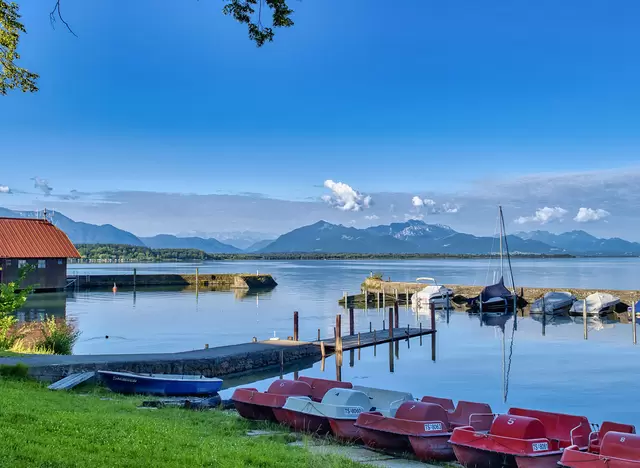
(411, 237)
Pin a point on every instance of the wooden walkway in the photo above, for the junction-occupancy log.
(364, 340)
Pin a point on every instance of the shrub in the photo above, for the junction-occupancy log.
(58, 336)
(18, 371)
(8, 335)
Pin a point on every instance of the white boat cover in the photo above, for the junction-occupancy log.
(597, 303)
(435, 293)
(552, 302)
(341, 403)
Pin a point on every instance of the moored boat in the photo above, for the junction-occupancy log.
(338, 410)
(252, 404)
(617, 448)
(320, 387)
(597, 304)
(521, 438)
(160, 384)
(553, 302)
(438, 295)
(423, 427)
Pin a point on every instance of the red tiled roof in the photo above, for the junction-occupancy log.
(33, 238)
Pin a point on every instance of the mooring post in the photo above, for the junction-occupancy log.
(420, 333)
(378, 300)
(351, 322)
(339, 333)
(383, 327)
(633, 322)
(396, 313)
(374, 337)
(135, 274)
(391, 360)
(359, 343)
(584, 317)
(318, 334)
(295, 326)
(370, 327)
(433, 331)
(391, 322)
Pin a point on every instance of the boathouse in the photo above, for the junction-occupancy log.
(35, 242)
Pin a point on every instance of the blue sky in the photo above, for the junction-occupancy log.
(437, 99)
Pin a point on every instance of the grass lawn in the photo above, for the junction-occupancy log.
(43, 428)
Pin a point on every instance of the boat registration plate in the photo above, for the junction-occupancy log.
(352, 410)
(433, 427)
(540, 446)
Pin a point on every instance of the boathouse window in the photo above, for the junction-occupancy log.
(21, 263)
(9, 262)
(42, 264)
(59, 261)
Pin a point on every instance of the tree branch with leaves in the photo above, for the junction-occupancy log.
(12, 76)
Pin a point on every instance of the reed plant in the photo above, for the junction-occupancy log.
(57, 336)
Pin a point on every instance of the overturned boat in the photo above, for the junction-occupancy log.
(553, 302)
(613, 446)
(338, 410)
(160, 384)
(423, 427)
(438, 295)
(521, 438)
(597, 304)
(253, 404)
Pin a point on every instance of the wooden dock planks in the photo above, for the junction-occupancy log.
(374, 338)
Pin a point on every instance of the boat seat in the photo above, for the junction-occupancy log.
(446, 403)
(608, 426)
(518, 427)
(421, 411)
(565, 428)
(289, 388)
(483, 416)
(319, 387)
(621, 445)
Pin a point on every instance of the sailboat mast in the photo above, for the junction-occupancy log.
(501, 234)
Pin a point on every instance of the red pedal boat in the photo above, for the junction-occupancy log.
(252, 404)
(292, 412)
(613, 446)
(423, 427)
(521, 438)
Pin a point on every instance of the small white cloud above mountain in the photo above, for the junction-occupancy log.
(543, 216)
(586, 215)
(431, 207)
(42, 185)
(5, 189)
(345, 198)
(372, 217)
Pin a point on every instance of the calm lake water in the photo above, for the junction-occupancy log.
(546, 367)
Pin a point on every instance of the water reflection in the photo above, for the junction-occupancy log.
(42, 305)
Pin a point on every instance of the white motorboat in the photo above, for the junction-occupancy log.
(433, 293)
(597, 304)
(339, 409)
(554, 302)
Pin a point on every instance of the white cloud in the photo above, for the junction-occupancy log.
(588, 214)
(345, 198)
(417, 201)
(372, 217)
(5, 189)
(543, 216)
(43, 185)
(410, 216)
(450, 208)
(431, 206)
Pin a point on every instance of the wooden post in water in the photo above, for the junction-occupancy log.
(359, 340)
(339, 333)
(351, 322)
(584, 317)
(391, 360)
(295, 326)
(420, 333)
(375, 340)
(633, 322)
(391, 322)
(135, 274)
(396, 313)
(433, 331)
(383, 328)
(318, 334)
(370, 327)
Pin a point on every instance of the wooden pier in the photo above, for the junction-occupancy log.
(364, 340)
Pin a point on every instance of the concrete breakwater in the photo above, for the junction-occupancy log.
(392, 288)
(202, 280)
(212, 362)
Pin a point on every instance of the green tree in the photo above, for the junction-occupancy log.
(12, 76)
(11, 299)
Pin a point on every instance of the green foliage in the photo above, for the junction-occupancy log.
(130, 253)
(11, 299)
(244, 11)
(41, 428)
(16, 371)
(58, 336)
(11, 75)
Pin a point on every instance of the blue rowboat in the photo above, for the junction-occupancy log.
(160, 384)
